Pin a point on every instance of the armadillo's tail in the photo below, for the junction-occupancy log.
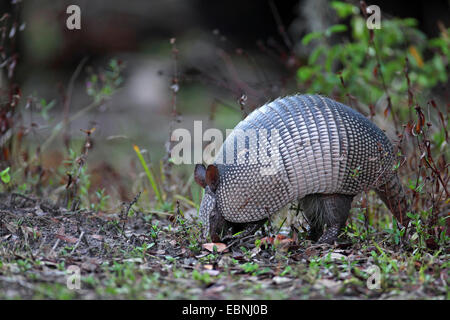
(394, 197)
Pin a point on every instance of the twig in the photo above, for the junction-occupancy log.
(72, 183)
(239, 239)
(68, 96)
(125, 212)
(167, 165)
(77, 115)
(78, 242)
(363, 7)
(54, 246)
(15, 195)
(280, 25)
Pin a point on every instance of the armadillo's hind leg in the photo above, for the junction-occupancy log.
(310, 207)
(331, 210)
(394, 197)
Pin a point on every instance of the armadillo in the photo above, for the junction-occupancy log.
(324, 154)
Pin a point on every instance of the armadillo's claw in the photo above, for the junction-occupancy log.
(314, 233)
(330, 235)
(244, 230)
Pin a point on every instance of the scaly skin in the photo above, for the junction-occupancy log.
(320, 151)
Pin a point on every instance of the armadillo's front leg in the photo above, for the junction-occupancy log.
(245, 229)
(251, 228)
(315, 232)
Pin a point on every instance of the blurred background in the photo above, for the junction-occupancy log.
(168, 63)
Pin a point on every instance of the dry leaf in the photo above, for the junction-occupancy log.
(281, 280)
(32, 231)
(212, 272)
(280, 239)
(97, 237)
(66, 238)
(221, 247)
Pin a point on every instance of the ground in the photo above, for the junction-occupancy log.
(157, 256)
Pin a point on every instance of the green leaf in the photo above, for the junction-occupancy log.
(4, 175)
(304, 73)
(113, 64)
(409, 22)
(336, 28)
(344, 9)
(359, 28)
(332, 54)
(311, 36)
(315, 54)
(149, 174)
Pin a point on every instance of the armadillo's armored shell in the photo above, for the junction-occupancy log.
(316, 145)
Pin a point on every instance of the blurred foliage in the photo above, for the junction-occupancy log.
(103, 85)
(357, 59)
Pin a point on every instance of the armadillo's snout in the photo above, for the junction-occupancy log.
(207, 210)
(213, 222)
(208, 178)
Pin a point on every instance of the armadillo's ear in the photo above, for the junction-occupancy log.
(212, 177)
(199, 175)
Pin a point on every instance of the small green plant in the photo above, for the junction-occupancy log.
(4, 175)
(154, 231)
(104, 84)
(210, 258)
(24, 265)
(249, 267)
(364, 59)
(384, 261)
(45, 108)
(141, 251)
(149, 174)
(419, 236)
(314, 268)
(204, 277)
(357, 226)
(287, 270)
(102, 199)
(78, 172)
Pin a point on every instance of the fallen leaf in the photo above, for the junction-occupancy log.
(281, 280)
(66, 238)
(97, 237)
(221, 247)
(201, 255)
(334, 256)
(212, 272)
(32, 231)
(215, 289)
(332, 286)
(11, 227)
(279, 239)
(134, 260)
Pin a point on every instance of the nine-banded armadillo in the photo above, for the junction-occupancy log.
(321, 153)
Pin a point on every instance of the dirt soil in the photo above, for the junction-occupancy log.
(149, 256)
